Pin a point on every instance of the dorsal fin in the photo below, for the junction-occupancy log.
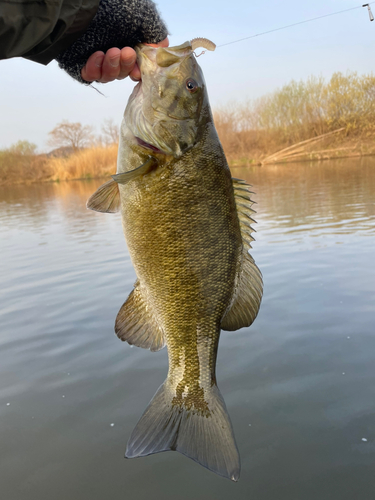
(249, 284)
(105, 199)
(245, 212)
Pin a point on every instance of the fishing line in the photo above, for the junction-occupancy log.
(301, 22)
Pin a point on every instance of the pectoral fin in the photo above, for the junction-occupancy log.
(136, 325)
(249, 284)
(125, 177)
(105, 199)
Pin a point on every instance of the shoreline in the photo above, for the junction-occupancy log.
(110, 167)
(259, 163)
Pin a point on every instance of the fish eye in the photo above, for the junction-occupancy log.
(191, 85)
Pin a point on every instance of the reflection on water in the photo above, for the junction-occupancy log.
(318, 199)
(299, 384)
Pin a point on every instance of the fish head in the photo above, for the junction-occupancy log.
(168, 108)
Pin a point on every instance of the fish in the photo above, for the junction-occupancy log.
(187, 225)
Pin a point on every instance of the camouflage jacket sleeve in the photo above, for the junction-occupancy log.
(71, 30)
(41, 30)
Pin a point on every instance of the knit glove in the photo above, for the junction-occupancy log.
(117, 23)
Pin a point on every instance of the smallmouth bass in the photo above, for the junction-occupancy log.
(187, 225)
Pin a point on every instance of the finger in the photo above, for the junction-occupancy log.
(135, 74)
(111, 65)
(127, 62)
(93, 68)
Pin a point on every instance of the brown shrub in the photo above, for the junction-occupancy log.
(297, 112)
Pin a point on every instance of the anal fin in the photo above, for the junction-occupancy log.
(136, 325)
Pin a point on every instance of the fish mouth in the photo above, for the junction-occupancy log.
(146, 145)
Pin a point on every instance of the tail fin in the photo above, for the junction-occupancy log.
(207, 439)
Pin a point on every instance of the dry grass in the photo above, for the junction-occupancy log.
(85, 164)
(16, 167)
(252, 132)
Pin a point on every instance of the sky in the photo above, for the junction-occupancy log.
(34, 98)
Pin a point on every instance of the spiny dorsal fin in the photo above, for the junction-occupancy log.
(136, 325)
(244, 211)
(249, 285)
(105, 199)
(125, 177)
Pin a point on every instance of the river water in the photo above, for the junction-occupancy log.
(299, 384)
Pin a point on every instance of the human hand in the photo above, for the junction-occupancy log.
(115, 64)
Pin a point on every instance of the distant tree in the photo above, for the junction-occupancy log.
(74, 135)
(111, 132)
(23, 148)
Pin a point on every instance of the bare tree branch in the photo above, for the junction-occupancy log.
(111, 132)
(74, 135)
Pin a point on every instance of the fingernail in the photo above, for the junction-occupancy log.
(99, 61)
(129, 62)
(114, 61)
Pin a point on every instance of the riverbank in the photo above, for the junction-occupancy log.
(328, 149)
(310, 120)
(100, 162)
(303, 120)
(90, 163)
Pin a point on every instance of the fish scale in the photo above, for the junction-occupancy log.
(187, 226)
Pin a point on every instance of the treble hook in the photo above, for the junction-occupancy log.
(369, 11)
